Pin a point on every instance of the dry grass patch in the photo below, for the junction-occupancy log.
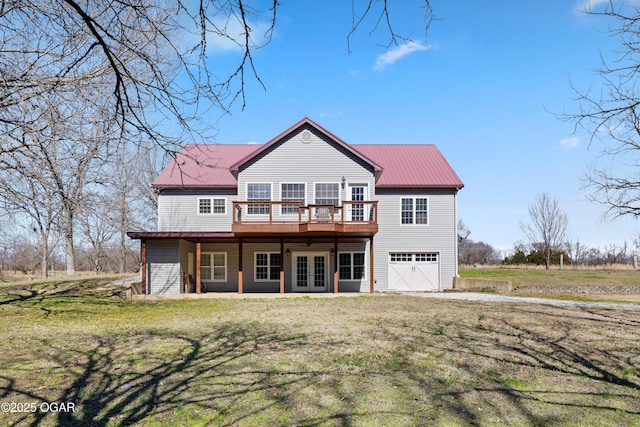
(386, 360)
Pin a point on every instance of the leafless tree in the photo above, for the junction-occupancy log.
(78, 80)
(26, 197)
(64, 150)
(134, 202)
(152, 55)
(547, 226)
(576, 251)
(99, 228)
(611, 115)
(617, 253)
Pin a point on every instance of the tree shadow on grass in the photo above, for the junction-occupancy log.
(575, 359)
(397, 362)
(35, 292)
(123, 379)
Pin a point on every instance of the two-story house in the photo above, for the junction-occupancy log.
(304, 212)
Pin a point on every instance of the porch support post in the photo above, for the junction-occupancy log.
(282, 266)
(371, 283)
(335, 266)
(198, 278)
(240, 266)
(143, 265)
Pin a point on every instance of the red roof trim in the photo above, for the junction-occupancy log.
(305, 121)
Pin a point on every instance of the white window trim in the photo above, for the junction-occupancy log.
(255, 265)
(305, 194)
(211, 198)
(413, 224)
(328, 182)
(351, 279)
(211, 267)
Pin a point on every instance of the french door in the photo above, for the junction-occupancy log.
(310, 271)
(357, 211)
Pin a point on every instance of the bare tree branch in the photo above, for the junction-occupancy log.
(611, 116)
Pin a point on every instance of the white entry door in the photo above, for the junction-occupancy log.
(414, 271)
(357, 211)
(310, 271)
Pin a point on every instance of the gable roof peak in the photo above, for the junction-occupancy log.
(305, 121)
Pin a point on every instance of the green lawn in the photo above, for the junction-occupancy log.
(555, 276)
(363, 361)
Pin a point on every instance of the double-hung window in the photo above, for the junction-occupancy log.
(259, 192)
(267, 266)
(327, 193)
(351, 265)
(213, 266)
(208, 205)
(414, 210)
(292, 192)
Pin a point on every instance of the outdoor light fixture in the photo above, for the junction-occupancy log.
(288, 252)
(344, 181)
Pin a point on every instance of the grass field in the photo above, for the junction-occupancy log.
(363, 361)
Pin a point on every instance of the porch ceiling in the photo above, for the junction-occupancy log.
(227, 237)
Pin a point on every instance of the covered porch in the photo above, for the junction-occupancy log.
(214, 262)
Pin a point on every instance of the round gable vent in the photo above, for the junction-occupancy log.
(306, 136)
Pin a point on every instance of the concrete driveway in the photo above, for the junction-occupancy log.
(476, 296)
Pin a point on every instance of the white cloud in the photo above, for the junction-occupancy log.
(228, 34)
(391, 56)
(591, 4)
(331, 114)
(570, 143)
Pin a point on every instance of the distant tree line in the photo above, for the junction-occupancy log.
(471, 252)
(573, 254)
(20, 255)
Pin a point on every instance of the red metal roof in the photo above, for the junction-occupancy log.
(407, 166)
(203, 166)
(396, 165)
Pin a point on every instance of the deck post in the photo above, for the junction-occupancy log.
(335, 266)
(371, 269)
(282, 266)
(143, 266)
(198, 264)
(240, 266)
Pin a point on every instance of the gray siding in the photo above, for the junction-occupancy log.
(163, 267)
(178, 211)
(439, 236)
(294, 161)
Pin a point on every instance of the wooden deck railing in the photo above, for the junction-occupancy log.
(285, 216)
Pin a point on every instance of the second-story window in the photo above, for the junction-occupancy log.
(258, 192)
(414, 210)
(294, 192)
(207, 205)
(327, 193)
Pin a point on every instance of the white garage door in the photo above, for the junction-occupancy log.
(414, 271)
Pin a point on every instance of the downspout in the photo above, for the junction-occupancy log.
(455, 230)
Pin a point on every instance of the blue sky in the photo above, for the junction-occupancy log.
(483, 85)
